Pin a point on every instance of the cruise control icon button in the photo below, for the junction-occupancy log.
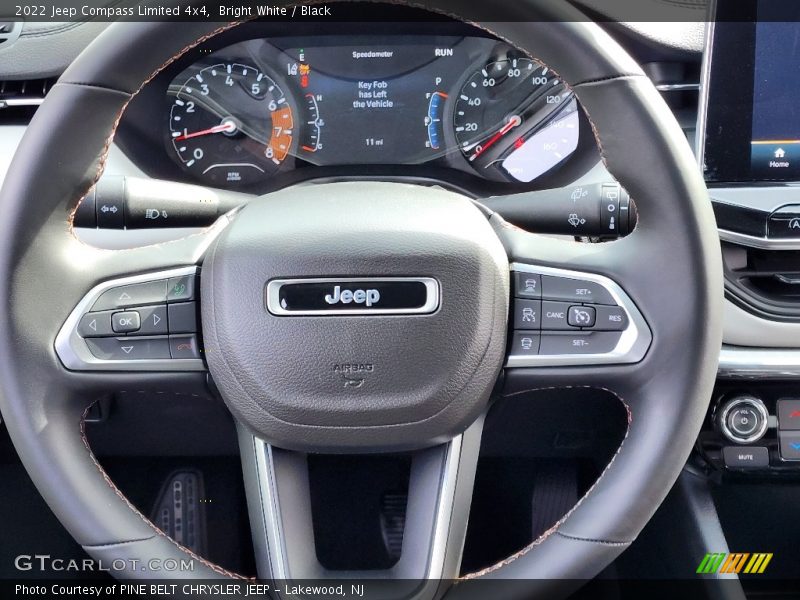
(581, 316)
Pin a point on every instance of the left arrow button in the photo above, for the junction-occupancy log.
(96, 324)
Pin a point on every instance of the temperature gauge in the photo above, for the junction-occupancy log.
(312, 132)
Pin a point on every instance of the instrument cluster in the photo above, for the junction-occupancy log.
(261, 107)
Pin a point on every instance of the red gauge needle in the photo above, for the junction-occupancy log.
(225, 127)
(513, 121)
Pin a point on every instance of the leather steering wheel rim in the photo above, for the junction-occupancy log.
(41, 263)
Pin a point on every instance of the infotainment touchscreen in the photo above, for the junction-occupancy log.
(752, 94)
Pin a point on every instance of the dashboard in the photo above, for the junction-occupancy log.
(259, 112)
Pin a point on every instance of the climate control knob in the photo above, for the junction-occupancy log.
(743, 419)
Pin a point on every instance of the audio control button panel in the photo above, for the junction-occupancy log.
(148, 322)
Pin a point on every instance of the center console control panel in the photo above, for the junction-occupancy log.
(145, 322)
(754, 431)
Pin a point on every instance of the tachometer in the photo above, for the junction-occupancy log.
(230, 124)
(501, 106)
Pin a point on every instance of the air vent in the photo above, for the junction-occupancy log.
(765, 282)
(20, 98)
(9, 32)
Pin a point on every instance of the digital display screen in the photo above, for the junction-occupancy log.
(380, 92)
(775, 143)
(752, 125)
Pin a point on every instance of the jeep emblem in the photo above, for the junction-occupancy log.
(352, 296)
(368, 297)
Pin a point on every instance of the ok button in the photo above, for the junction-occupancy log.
(125, 322)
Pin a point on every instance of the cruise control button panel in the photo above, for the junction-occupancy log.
(144, 322)
(564, 317)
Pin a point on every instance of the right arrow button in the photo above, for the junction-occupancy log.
(154, 320)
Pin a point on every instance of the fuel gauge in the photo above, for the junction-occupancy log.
(433, 120)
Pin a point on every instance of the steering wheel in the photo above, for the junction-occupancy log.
(428, 353)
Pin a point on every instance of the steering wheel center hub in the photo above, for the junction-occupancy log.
(356, 315)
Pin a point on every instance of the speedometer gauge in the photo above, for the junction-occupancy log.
(501, 106)
(229, 124)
